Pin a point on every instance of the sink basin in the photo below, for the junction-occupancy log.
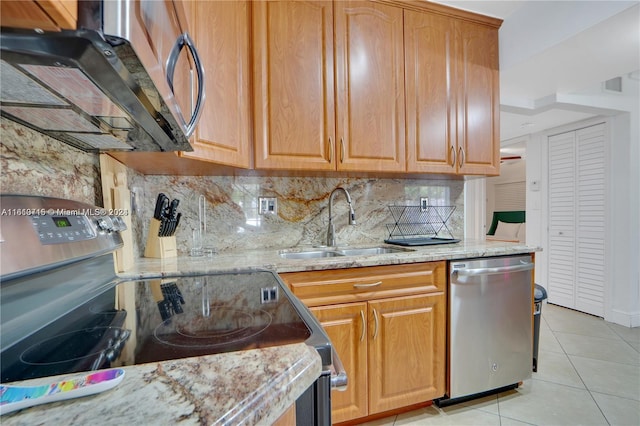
(312, 254)
(319, 254)
(367, 251)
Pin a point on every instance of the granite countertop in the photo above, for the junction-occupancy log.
(246, 387)
(269, 258)
(252, 387)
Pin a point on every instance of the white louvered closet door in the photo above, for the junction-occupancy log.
(577, 267)
(562, 178)
(590, 219)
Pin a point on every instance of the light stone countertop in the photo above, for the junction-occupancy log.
(252, 387)
(269, 258)
(246, 387)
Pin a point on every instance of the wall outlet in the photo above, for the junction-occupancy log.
(267, 205)
(424, 203)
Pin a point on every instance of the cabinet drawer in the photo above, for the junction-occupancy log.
(358, 284)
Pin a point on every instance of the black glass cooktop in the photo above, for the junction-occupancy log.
(164, 319)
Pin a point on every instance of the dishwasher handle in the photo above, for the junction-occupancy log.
(525, 266)
(338, 373)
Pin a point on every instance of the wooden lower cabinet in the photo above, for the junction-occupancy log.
(390, 341)
(346, 326)
(406, 359)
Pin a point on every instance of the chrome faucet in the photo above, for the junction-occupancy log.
(331, 232)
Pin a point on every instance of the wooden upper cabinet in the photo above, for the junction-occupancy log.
(298, 122)
(293, 85)
(370, 86)
(478, 99)
(48, 15)
(220, 30)
(431, 132)
(452, 95)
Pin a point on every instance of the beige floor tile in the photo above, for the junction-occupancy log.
(635, 345)
(488, 404)
(556, 368)
(545, 403)
(568, 321)
(628, 334)
(506, 421)
(618, 411)
(455, 415)
(606, 349)
(608, 377)
(547, 340)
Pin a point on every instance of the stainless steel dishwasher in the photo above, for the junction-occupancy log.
(490, 325)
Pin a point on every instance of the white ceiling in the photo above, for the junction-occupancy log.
(555, 57)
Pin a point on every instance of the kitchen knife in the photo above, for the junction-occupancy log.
(171, 217)
(157, 213)
(177, 222)
(163, 216)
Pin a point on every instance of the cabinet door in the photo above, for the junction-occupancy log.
(370, 87)
(346, 326)
(48, 15)
(221, 33)
(293, 85)
(429, 55)
(406, 351)
(478, 99)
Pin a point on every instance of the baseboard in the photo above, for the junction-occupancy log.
(627, 319)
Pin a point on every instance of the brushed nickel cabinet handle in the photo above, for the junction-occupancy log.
(364, 326)
(330, 149)
(461, 156)
(452, 152)
(375, 319)
(341, 150)
(376, 284)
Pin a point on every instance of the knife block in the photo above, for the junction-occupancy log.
(159, 247)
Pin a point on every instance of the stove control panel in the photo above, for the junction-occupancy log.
(62, 229)
(38, 233)
(56, 229)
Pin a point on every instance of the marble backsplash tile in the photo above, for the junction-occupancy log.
(31, 163)
(302, 218)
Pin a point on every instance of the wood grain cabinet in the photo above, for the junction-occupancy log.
(48, 15)
(312, 114)
(387, 324)
(453, 101)
(220, 30)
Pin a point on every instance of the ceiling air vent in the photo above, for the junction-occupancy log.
(614, 85)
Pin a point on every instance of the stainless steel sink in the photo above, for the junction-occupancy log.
(339, 252)
(311, 254)
(367, 251)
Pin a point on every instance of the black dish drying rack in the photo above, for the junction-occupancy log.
(420, 225)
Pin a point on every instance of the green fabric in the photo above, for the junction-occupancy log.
(516, 216)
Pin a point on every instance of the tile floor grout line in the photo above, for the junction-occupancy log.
(584, 383)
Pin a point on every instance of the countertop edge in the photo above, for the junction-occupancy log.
(249, 387)
(270, 259)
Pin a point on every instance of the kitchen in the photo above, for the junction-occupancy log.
(302, 202)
